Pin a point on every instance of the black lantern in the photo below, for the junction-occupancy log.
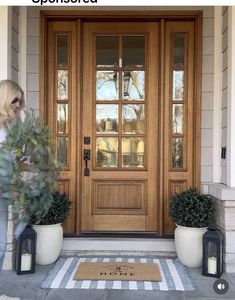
(212, 252)
(26, 251)
(127, 81)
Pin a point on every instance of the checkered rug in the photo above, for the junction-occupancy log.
(173, 274)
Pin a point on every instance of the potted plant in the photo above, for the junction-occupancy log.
(28, 171)
(49, 229)
(28, 168)
(192, 212)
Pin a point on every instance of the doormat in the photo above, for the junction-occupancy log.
(117, 271)
(174, 275)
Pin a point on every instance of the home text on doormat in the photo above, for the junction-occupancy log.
(117, 271)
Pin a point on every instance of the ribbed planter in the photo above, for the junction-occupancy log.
(49, 243)
(188, 244)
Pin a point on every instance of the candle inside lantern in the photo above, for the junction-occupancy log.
(212, 267)
(26, 260)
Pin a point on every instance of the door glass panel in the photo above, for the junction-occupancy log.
(179, 51)
(62, 118)
(133, 118)
(118, 55)
(178, 85)
(62, 85)
(106, 152)
(177, 153)
(62, 49)
(62, 146)
(106, 118)
(133, 51)
(132, 152)
(178, 117)
(133, 85)
(106, 51)
(106, 85)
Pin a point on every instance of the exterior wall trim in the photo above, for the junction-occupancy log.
(231, 98)
(121, 14)
(217, 94)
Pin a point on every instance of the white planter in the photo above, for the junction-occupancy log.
(49, 243)
(188, 244)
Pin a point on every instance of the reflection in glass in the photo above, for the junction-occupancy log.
(178, 85)
(133, 51)
(178, 118)
(62, 49)
(106, 85)
(106, 152)
(132, 152)
(106, 118)
(106, 51)
(62, 146)
(179, 51)
(62, 118)
(177, 153)
(62, 85)
(133, 118)
(133, 85)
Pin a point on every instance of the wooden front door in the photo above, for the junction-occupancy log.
(120, 71)
(123, 101)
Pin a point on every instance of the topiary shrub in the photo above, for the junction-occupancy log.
(191, 208)
(57, 212)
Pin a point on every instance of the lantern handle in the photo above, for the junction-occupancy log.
(212, 227)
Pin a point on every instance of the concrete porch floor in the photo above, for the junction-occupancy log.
(27, 287)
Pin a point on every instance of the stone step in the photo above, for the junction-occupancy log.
(118, 246)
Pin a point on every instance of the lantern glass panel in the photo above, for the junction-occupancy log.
(212, 258)
(26, 256)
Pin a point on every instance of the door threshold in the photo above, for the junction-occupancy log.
(114, 234)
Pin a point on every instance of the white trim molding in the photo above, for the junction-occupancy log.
(6, 42)
(23, 49)
(217, 94)
(231, 98)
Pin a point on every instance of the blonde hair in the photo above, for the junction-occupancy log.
(8, 92)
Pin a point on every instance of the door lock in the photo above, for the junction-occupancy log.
(86, 157)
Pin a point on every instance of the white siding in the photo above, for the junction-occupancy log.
(33, 57)
(207, 96)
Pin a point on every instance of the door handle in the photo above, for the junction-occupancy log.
(86, 157)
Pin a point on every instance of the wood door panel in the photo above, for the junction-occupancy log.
(119, 196)
(119, 223)
(122, 199)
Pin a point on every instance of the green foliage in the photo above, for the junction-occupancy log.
(192, 209)
(28, 141)
(58, 210)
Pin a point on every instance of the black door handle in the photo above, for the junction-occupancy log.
(86, 157)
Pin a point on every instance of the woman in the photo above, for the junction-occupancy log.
(11, 103)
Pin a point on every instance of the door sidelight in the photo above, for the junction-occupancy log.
(86, 157)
